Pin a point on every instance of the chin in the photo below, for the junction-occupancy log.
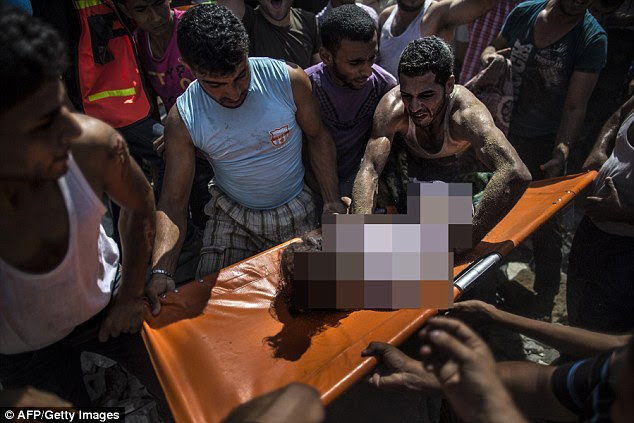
(57, 170)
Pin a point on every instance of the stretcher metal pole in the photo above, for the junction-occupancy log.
(470, 275)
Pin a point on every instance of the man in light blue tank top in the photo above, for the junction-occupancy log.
(247, 115)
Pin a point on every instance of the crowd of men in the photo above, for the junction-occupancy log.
(247, 124)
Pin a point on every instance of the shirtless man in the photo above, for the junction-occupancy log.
(445, 130)
(61, 286)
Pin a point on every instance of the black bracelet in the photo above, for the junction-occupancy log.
(162, 272)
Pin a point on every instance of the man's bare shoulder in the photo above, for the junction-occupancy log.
(468, 113)
(384, 15)
(390, 112)
(98, 147)
(97, 138)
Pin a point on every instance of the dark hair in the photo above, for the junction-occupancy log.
(609, 4)
(211, 39)
(31, 52)
(428, 54)
(346, 22)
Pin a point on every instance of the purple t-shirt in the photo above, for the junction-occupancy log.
(347, 113)
(168, 76)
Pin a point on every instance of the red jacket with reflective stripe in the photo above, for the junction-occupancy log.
(109, 76)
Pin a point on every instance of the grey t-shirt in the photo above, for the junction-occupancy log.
(295, 43)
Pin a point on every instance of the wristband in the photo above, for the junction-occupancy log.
(162, 272)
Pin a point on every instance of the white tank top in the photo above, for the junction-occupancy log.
(620, 166)
(450, 147)
(391, 47)
(37, 310)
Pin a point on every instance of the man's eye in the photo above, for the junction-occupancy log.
(44, 125)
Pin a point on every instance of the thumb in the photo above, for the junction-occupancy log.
(550, 163)
(103, 331)
(155, 304)
(504, 51)
(610, 183)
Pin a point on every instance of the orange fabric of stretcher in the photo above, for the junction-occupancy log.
(224, 340)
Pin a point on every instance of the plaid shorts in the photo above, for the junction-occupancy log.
(234, 232)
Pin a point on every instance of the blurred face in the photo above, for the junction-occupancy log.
(36, 135)
(424, 99)
(227, 90)
(574, 7)
(351, 64)
(410, 5)
(276, 11)
(153, 16)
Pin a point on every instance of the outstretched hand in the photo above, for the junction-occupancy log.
(158, 285)
(338, 207)
(397, 370)
(466, 372)
(553, 167)
(488, 58)
(123, 315)
(602, 209)
(473, 311)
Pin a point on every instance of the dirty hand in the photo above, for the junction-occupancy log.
(488, 58)
(396, 369)
(123, 315)
(158, 285)
(602, 209)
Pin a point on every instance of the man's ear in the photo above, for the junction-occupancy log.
(450, 84)
(326, 56)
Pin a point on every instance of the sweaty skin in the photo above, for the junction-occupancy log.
(469, 121)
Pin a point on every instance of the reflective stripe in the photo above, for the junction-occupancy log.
(112, 93)
(83, 4)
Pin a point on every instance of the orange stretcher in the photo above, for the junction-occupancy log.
(223, 340)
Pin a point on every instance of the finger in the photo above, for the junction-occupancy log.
(610, 183)
(376, 348)
(104, 331)
(449, 344)
(504, 51)
(347, 201)
(155, 304)
(453, 326)
(171, 285)
(546, 166)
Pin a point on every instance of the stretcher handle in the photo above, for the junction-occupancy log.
(470, 275)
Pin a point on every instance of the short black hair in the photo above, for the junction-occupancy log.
(31, 53)
(211, 39)
(346, 22)
(427, 54)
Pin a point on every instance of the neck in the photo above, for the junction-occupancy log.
(437, 125)
(284, 22)
(13, 189)
(555, 12)
(333, 77)
(163, 38)
(407, 16)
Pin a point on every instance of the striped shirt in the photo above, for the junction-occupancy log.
(482, 32)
